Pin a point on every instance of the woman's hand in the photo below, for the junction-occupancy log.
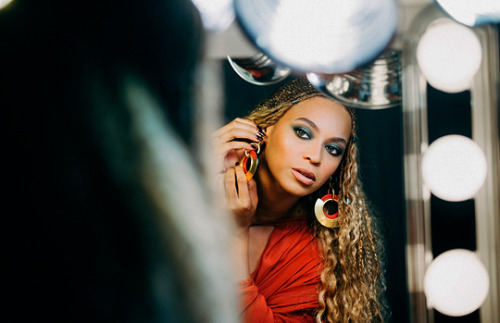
(241, 196)
(229, 142)
(241, 199)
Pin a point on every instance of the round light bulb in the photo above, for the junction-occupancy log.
(472, 12)
(323, 36)
(456, 282)
(449, 55)
(454, 168)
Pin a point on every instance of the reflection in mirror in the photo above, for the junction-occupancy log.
(259, 69)
(435, 225)
(380, 150)
(449, 55)
(376, 86)
(329, 37)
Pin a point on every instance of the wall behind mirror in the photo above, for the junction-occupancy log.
(453, 223)
(381, 154)
(437, 226)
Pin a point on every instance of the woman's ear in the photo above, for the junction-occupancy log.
(268, 131)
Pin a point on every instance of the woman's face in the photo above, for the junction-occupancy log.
(305, 147)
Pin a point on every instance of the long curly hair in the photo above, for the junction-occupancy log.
(351, 284)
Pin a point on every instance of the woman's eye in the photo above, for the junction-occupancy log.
(302, 133)
(334, 150)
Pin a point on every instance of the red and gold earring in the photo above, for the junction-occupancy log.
(326, 209)
(250, 161)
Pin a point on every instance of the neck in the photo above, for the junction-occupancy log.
(274, 203)
(272, 208)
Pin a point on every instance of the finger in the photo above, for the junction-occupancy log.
(239, 129)
(231, 154)
(241, 134)
(236, 147)
(244, 121)
(230, 186)
(238, 123)
(240, 146)
(252, 189)
(232, 158)
(243, 193)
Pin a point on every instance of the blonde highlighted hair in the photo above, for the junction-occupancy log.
(351, 284)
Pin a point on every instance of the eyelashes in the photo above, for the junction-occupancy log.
(334, 150)
(305, 134)
(302, 132)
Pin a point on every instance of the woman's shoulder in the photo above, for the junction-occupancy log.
(291, 245)
(291, 233)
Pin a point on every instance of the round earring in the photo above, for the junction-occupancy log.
(250, 161)
(328, 216)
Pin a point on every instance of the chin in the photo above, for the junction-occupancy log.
(300, 190)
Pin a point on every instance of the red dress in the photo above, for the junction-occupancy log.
(284, 286)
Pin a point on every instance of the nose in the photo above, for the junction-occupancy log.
(313, 155)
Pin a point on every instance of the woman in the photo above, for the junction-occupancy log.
(291, 267)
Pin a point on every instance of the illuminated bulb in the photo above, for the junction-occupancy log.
(321, 36)
(216, 15)
(456, 283)
(4, 3)
(454, 168)
(472, 12)
(449, 55)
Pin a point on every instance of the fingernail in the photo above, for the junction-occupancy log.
(260, 138)
(262, 134)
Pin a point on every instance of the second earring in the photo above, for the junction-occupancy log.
(326, 210)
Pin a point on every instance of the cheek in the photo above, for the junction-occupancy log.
(279, 145)
(330, 168)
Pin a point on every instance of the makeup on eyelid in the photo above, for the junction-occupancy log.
(305, 147)
(302, 131)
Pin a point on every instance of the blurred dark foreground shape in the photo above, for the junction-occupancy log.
(105, 218)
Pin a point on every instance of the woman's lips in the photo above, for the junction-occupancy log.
(304, 176)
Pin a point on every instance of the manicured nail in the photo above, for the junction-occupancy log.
(262, 134)
(260, 138)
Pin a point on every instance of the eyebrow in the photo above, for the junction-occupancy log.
(315, 127)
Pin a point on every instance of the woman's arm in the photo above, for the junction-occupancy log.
(241, 198)
(256, 310)
(229, 144)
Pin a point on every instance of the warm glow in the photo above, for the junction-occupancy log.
(4, 3)
(449, 55)
(216, 15)
(454, 168)
(456, 283)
